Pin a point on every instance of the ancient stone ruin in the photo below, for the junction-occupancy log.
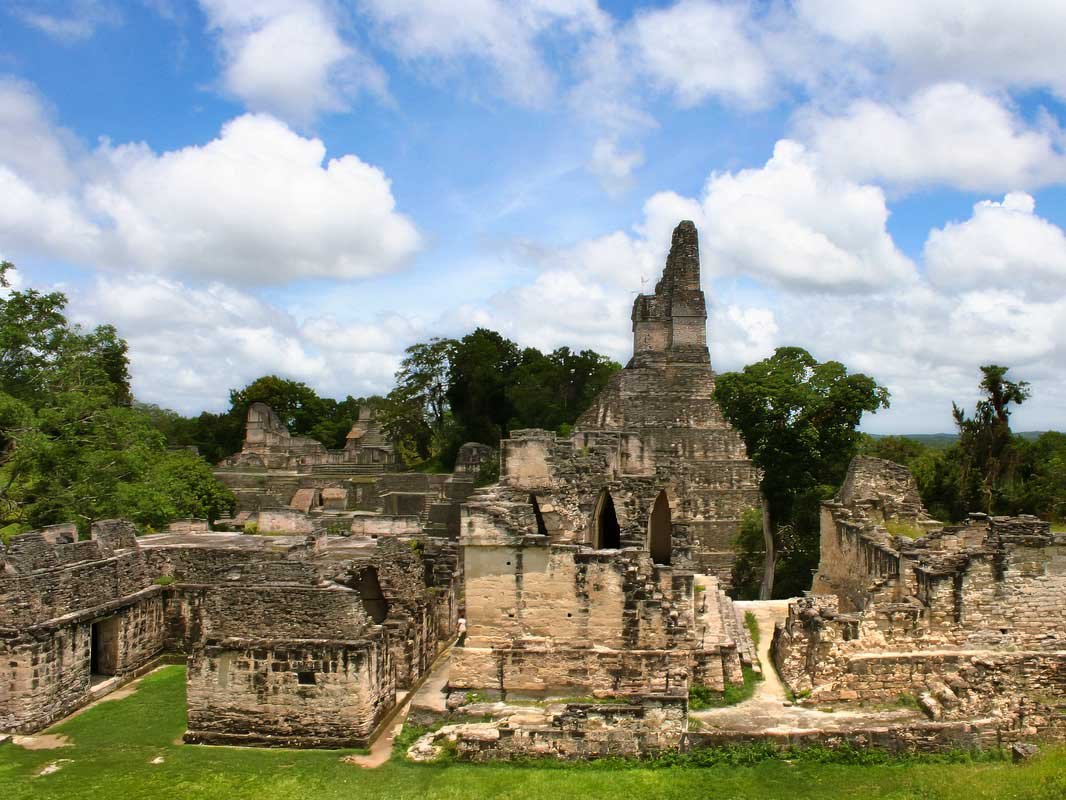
(593, 578)
(968, 620)
(290, 640)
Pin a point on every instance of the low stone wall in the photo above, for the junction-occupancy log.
(375, 525)
(542, 670)
(583, 731)
(909, 738)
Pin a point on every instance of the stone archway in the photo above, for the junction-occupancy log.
(606, 532)
(660, 530)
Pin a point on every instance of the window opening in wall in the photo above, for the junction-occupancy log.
(606, 534)
(374, 602)
(103, 648)
(660, 530)
(306, 678)
(542, 529)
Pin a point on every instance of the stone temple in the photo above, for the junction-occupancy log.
(593, 577)
(627, 525)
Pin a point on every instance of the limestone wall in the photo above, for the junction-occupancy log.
(289, 694)
(544, 618)
(45, 672)
(582, 731)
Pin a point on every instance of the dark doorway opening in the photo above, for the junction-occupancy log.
(542, 529)
(103, 647)
(374, 602)
(660, 531)
(606, 534)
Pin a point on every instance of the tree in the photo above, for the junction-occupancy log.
(551, 391)
(798, 419)
(73, 446)
(416, 413)
(989, 459)
(480, 371)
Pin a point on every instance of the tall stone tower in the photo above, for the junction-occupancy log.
(666, 394)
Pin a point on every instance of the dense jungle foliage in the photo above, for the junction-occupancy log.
(74, 447)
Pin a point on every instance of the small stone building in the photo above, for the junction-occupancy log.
(290, 640)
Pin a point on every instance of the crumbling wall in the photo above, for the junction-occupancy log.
(647, 727)
(544, 618)
(971, 618)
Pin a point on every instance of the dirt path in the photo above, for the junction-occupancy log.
(429, 695)
(769, 710)
(767, 614)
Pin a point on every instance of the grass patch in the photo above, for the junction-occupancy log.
(907, 531)
(114, 745)
(700, 698)
(752, 625)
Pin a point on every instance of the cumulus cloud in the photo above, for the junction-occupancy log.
(190, 344)
(946, 134)
(504, 36)
(986, 42)
(698, 50)
(289, 58)
(791, 224)
(31, 144)
(258, 204)
(1004, 244)
(254, 205)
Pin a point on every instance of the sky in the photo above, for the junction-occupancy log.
(307, 187)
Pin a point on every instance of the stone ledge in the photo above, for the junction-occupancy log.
(266, 740)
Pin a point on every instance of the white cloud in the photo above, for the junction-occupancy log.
(743, 335)
(984, 42)
(504, 36)
(288, 57)
(946, 134)
(31, 145)
(253, 205)
(259, 204)
(66, 21)
(190, 344)
(699, 50)
(612, 166)
(1002, 245)
(791, 224)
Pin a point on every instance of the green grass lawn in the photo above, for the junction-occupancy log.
(115, 743)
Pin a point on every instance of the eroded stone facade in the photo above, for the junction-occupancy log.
(968, 619)
(597, 563)
(290, 640)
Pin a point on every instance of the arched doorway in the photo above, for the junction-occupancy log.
(606, 533)
(660, 541)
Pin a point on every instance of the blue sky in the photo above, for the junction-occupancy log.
(307, 187)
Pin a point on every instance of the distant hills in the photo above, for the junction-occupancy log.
(942, 440)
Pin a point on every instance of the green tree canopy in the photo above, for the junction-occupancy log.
(989, 459)
(798, 418)
(73, 447)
